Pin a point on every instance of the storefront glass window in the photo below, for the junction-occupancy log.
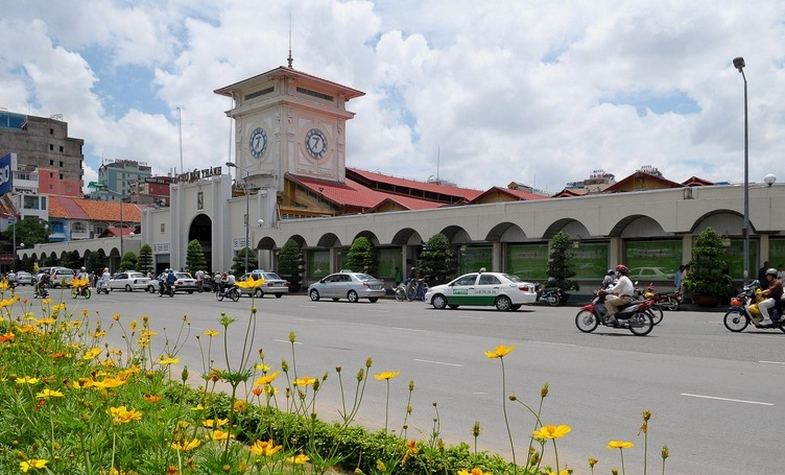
(318, 264)
(473, 258)
(735, 256)
(388, 259)
(652, 260)
(590, 260)
(777, 253)
(527, 261)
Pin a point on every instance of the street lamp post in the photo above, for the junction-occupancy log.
(247, 207)
(738, 63)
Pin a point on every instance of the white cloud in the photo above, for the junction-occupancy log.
(507, 91)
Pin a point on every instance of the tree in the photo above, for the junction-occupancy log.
(290, 264)
(437, 260)
(708, 269)
(71, 260)
(361, 256)
(96, 262)
(145, 258)
(559, 269)
(128, 262)
(238, 262)
(48, 261)
(194, 256)
(30, 231)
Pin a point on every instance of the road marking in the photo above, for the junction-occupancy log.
(727, 399)
(552, 343)
(378, 311)
(479, 393)
(439, 362)
(407, 329)
(308, 306)
(772, 362)
(475, 317)
(287, 342)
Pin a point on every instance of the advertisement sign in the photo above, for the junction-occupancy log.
(473, 258)
(528, 261)
(777, 253)
(6, 176)
(590, 260)
(653, 260)
(318, 264)
(735, 256)
(388, 258)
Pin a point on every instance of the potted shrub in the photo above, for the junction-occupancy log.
(706, 280)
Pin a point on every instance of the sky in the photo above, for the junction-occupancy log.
(541, 93)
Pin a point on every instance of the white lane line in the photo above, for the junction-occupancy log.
(407, 329)
(439, 363)
(701, 396)
(287, 342)
(308, 306)
(552, 343)
(474, 317)
(479, 393)
(378, 311)
(772, 362)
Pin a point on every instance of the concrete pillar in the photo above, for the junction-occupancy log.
(686, 248)
(764, 250)
(333, 259)
(615, 251)
(497, 257)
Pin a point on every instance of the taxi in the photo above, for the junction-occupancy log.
(504, 291)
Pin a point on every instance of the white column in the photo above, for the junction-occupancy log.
(764, 251)
(497, 259)
(686, 248)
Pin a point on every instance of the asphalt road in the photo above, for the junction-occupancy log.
(716, 397)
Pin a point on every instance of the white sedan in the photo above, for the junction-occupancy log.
(129, 280)
(506, 292)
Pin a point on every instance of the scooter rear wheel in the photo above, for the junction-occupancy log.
(641, 324)
(735, 321)
(586, 321)
(656, 314)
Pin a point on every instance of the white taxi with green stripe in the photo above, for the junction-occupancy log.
(506, 292)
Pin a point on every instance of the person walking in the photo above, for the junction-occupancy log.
(764, 283)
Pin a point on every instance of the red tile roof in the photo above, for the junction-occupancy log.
(67, 207)
(641, 175)
(520, 194)
(466, 193)
(350, 193)
(115, 231)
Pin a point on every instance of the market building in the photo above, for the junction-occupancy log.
(292, 178)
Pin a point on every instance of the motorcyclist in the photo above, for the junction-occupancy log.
(609, 279)
(42, 283)
(170, 278)
(773, 294)
(103, 282)
(619, 294)
(82, 275)
(11, 278)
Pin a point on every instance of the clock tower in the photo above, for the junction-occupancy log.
(287, 121)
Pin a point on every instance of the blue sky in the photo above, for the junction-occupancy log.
(527, 91)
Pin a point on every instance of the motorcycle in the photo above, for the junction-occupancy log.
(656, 310)
(744, 311)
(411, 292)
(165, 289)
(41, 290)
(232, 293)
(553, 296)
(81, 291)
(102, 286)
(634, 316)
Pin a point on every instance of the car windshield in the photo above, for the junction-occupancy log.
(363, 277)
(272, 276)
(512, 278)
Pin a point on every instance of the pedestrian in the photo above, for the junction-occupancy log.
(764, 283)
(200, 280)
(781, 273)
(677, 279)
(398, 276)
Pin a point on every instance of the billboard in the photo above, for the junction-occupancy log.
(6, 177)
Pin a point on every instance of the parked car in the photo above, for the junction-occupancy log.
(349, 285)
(505, 291)
(61, 276)
(651, 273)
(24, 278)
(129, 280)
(184, 283)
(273, 284)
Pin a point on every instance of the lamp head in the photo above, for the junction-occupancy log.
(232, 165)
(769, 179)
(738, 63)
(260, 222)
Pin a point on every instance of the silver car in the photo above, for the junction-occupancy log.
(349, 285)
(129, 280)
(273, 284)
(24, 278)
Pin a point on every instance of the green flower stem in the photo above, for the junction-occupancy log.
(506, 419)
(621, 451)
(386, 406)
(556, 452)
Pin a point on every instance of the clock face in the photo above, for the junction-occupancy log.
(257, 144)
(316, 143)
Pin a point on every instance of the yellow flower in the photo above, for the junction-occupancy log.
(34, 464)
(474, 471)
(386, 375)
(147, 333)
(121, 415)
(561, 472)
(151, 398)
(82, 383)
(132, 325)
(183, 446)
(215, 422)
(210, 332)
(108, 383)
(98, 333)
(77, 283)
(592, 462)
(552, 432)
(304, 381)
(58, 307)
(198, 407)
(168, 360)
(267, 379)
(3, 285)
(262, 367)
(250, 283)
(27, 380)
(240, 405)
(299, 459)
(91, 353)
(499, 352)
(620, 444)
(48, 393)
(219, 435)
(265, 449)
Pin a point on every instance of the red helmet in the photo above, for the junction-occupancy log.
(622, 269)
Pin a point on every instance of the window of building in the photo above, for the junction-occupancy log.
(163, 227)
(31, 202)
(51, 131)
(200, 200)
(51, 175)
(43, 202)
(78, 227)
(51, 162)
(61, 149)
(61, 176)
(311, 93)
(61, 162)
(51, 147)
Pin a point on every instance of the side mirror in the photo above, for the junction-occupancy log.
(636, 282)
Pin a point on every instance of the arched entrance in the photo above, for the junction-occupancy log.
(201, 229)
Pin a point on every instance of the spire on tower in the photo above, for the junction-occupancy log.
(289, 60)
